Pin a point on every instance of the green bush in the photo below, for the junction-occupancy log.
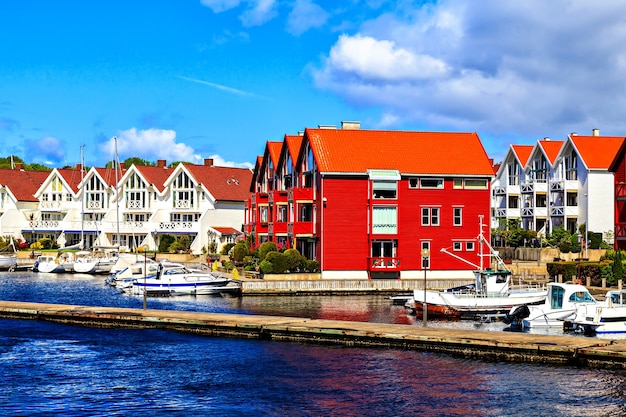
(295, 261)
(266, 248)
(240, 251)
(311, 265)
(181, 244)
(226, 248)
(164, 242)
(47, 243)
(566, 269)
(266, 267)
(279, 262)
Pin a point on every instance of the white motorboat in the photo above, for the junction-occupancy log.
(53, 264)
(8, 260)
(491, 293)
(123, 279)
(604, 317)
(176, 279)
(561, 304)
(96, 262)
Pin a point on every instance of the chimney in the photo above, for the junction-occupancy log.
(208, 162)
(327, 127)
(122, 166)
(596, 132)
(350, 125)
(79, 167)
(161, 163)
(573, 134)
(546, 138)
(19, 166)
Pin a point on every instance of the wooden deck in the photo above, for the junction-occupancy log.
(497, 346)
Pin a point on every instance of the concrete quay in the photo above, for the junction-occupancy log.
(492, 346)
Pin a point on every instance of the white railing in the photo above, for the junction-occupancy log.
(175, 226)
(134, 204)
(182, 204)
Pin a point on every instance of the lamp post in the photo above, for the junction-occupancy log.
(425, 255)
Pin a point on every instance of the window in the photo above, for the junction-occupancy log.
(425, 250)
(457, 246)
(513, 201)
(385, 189)
(431, 182)
(281, 213)
(263, 214)
(384, 220)
(572, 199)
(513, 171)
(413, 182)
(540, 200)
(458, 183)
(476, 184)
(469, 246)
(458, 216)
(430, 216)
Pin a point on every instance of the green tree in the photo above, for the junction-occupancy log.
(240, 251)
(618, 266)
(279, 262)
(164, 243)
(133, 160)
(295, 261)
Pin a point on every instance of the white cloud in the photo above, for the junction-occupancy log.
(255, 13)
(219, 161)
(304, 16)
(150, 144)
(536, 68)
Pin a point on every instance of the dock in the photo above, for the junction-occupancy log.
(493, 346)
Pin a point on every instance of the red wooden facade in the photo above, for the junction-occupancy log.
(367, 203)
(618, 167)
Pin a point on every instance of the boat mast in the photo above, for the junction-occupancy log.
(117, 193)
(82, 198)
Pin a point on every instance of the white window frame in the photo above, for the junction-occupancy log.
(431, 216)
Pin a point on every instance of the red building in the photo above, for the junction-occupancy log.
(618, 168)
(372, 203)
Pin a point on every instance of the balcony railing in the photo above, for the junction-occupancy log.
(94, 205)
(528, 211)
(620, 191)
(620, 230)
(164, 226)
(384, 264)
(527, 188)
(499, 191)
(182, 204)
(136, 204)
(299, 194)
(50, 205)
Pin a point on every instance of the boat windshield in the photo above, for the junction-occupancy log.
(581, 297)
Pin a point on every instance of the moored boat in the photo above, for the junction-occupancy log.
(560, 304)
(176, 279)
(604, 317)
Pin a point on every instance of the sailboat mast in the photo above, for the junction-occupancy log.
(82, 197)
(117, 194)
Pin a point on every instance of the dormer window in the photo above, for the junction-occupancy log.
(384, 183)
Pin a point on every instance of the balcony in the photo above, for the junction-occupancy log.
(383, 264)
(500, 212)
(620, 191)
(175, 226)
(499, 191)
(277, 196)
(299, 194)
(528, 212)
(94, 205)
(527, 188)
(183, 204)
(620, 231)
(135, 205)
(50, 205)
(299, 229)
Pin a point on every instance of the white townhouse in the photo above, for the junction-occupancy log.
(558, 184)
(204, 202)
(18, 201)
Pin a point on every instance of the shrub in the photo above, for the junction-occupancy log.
(165, 241)
(266, 248)
(266, 267)
(240, 251)
(295, 261)
(279, 262)
(180, 244)
(311, 265)
(47, 243)
(226, 248)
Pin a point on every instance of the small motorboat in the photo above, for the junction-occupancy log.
(561, 304)
(176, 279)
(604, 317)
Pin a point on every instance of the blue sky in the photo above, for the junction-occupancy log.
(194, 79)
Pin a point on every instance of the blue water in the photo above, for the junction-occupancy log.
(53, 369)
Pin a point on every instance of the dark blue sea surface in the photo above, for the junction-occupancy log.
(54, 369)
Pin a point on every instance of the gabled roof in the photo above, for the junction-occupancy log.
(294, 142)
(224, 183)
(427, 153)
(597, 152)
(23, 184)
(72, 176)
(108, 175)
(522, 153)
(256, 172)
(551, 148)
(154, 175)
(274, 151)
(226, 230)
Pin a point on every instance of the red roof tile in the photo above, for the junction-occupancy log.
(294, 142)
(155, 175)
(72, 176)
(23, 184)
(108, 175)
(431, 153)
(274, 151)
(226, 230)
(224, 183)
(597, 152)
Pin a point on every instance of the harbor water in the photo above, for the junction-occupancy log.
(54, 369)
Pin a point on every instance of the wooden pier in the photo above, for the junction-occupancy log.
(496, 346)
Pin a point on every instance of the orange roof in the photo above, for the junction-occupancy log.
(294, 142)
(597, 152)
(274, 151)
(23, 184)
(522, 152)
(430, 153)
(551, 148)
(224, 183)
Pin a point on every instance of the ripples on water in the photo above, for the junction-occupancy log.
(54, 369)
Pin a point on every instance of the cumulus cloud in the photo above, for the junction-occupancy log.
(150, 144)
(536, 68)
(47, 150)
(304, 16)
(221, 162)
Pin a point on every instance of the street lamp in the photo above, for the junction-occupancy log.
(425, 255)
